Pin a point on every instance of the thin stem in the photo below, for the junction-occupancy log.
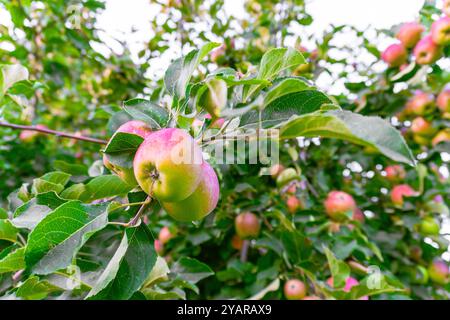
(244, 250)
(53, 132)
(133, 222)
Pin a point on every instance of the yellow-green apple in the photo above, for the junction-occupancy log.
(426, 51)
(409, 34)
(138, 128)
(165, 235)
(293, 204)
(443, 100)
(247, 225)
(422, 127)
(421, 103)
(168, 165)
(395, 55)
(395, 173)
(438, 271)
(294, 289)
(400, 191)
(215, 98)
(441, 136)
(440, 31)
(339, 205)
(286, 176)
(429, 226)
(201, 202)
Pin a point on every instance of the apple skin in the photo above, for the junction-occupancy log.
(429, 227)
(294, 289)
(426, 51)
(395, 173)
(440, 31)
(165, 235)
(293, 204)
(446, 8)
(237, 242)
(201, 202)
(168, 165)
(276, 169)
(441, 136)
(443, 100)
(409, 34)
(395, 55)
(159, 247)
(338, 204)
(399, 191)
(421, 103)
(422, 127)
(138, 128)
(247, 225)
(438, 271)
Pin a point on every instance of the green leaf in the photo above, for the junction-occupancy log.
(158, 273)
(273, 286)
(12, 261)
(140, 109)
(55, 241)
(35, 289)
(296, 246)
(74, 192)
(104, 187)
(57, 177)
(374, 284)
(32, 212)
(129, 267)
(43, 186)
(7, 231)
(180, 71)
(191, 270)
(3, 214)
(71, 168)
(372, 132)
(122, 142)
(340, 271)
(11, 74)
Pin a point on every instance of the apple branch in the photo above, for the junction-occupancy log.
(52, 132)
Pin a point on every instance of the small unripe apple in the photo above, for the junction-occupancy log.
(138, 128)
(426, 51)
(165, 235)
(237, 242)
(286, 176)
(339, 205)
(443, 100)
(247, 225)
(215, 98)
(409, 34)
(422, 127)
(429, 227)
(201, 202)
(400, 191)
(438, 271)
(395, 173)
(293, 204)
(276, 169)
(294, 289)
(395, 55)
(159, 247)
(440, 31)
(168, 165)
(421, 103)
(441, 136)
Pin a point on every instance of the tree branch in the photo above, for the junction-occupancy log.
(53, 132)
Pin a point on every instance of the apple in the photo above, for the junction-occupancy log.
(446, 8)
(421, 103)
(201, 202)
(426, 51)
(419, 275)
(443, 100)
(294, 289)
(165, 235)
(28, 136)
(286, 176)
(293, 204)
(440, 31)
(415, 252)
(409, 34)
(400, 191)
(395, 55)
(441, 136)
(276, 169)
(247, 225)
(136, 127)
(292, 188)
(159, 247)
(438, 271)
(422, 127)
(339, 205)
(350, 282)
(215, 98)
(237, 242)
(429, 227)
(168, 165)
(395, 173)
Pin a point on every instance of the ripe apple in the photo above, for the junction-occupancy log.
(429, 227)
(443, 100)
(400, 191)
(441, 136)
(409, 34)
(294, 289)
(247, 225)
(237, 242)
(215, 98)
(293, 204)
(168, 165)
(395, 173)
(426, 51)
(159, 247)
(339, 205)
(421, 103)
(201, 202)
(438, 271)
(276, 169)
(165, 235)
(138, 128)
(440, 31)
(395, 55)
(422, 127)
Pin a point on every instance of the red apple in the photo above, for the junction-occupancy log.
(426, 51)
(421, 103)
(400, 191)
(440, 31)
(339, 205)
(443, 100)
(395, 173)
(422, 127)
(159, 247)
(293, 204)
(237, 242)
(247, 225)
(395, 55)
(165, 235)
(294, 289)
(409, 34)
(439, 271)
(350, 282)
(441, 136)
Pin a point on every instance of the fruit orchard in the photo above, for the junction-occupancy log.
(110, 189)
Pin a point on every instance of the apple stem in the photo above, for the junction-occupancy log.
(53, 132)
(244, 250)
(134, 222)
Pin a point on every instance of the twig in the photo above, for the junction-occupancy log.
(53, 132)
(133, 222)
(244, 250)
